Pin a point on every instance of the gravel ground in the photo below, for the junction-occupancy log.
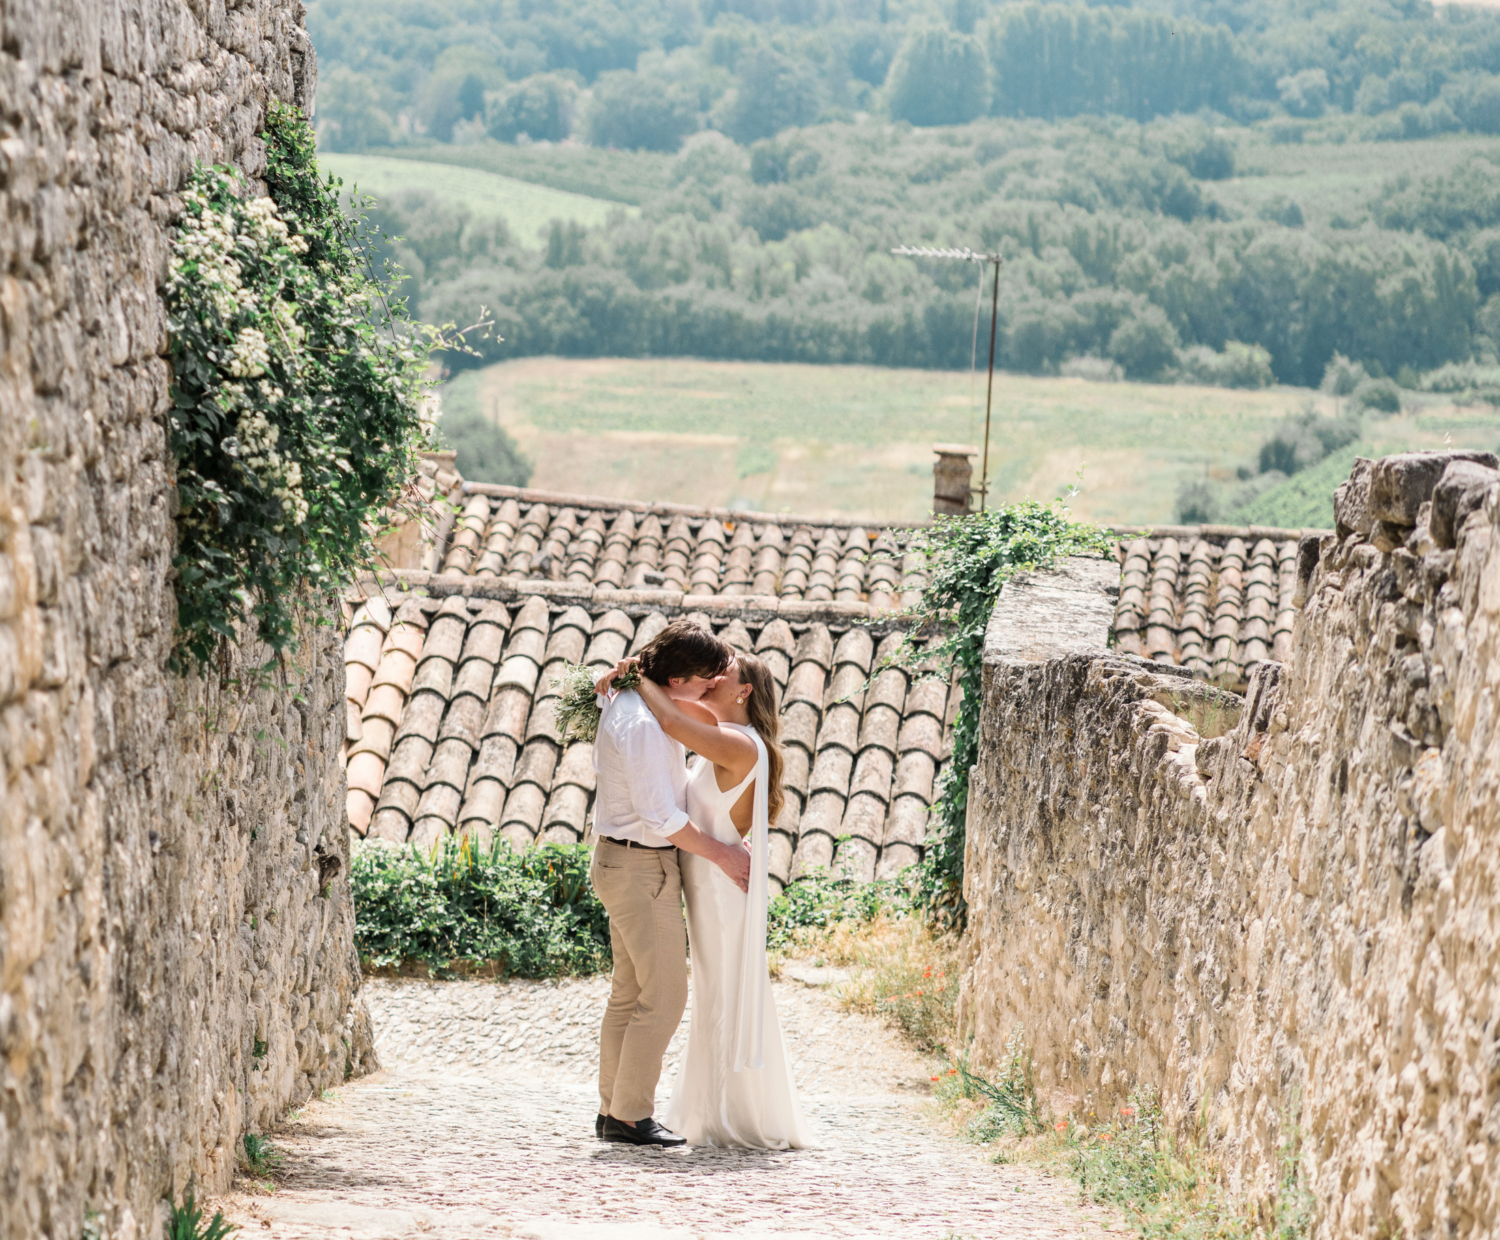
(481, 1125)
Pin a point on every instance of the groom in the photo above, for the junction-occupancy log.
(639, 824)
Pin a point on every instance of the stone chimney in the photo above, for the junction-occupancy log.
(952, 478)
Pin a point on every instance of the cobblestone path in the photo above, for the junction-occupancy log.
(481, 1125)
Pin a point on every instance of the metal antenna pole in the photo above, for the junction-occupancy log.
(989, 393)
(969, 256)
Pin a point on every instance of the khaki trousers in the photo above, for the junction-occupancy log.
(641, 890)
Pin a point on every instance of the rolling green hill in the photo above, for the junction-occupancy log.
(527, 208)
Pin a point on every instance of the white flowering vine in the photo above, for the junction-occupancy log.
(297, 395)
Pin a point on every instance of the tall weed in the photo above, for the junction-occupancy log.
(900, 971)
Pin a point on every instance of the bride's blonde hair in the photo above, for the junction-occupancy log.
(765, 717)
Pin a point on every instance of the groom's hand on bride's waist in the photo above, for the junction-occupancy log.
(733, 859)
(736, 864)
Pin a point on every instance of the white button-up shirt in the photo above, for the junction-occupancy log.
(642, 784)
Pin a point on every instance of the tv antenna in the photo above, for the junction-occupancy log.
(966, 255)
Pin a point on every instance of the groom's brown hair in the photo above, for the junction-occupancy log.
(684, 649)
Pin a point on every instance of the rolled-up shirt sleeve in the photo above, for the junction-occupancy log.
(649, 754)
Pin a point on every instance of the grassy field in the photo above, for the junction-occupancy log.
(858, 440)
(1328, 180)
(1332, 181)
(526, 207)
(619, 176)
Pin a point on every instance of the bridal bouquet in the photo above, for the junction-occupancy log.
(578, 707)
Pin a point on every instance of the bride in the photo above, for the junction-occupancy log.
(734, 1087)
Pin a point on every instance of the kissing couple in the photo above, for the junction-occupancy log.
(664, 833)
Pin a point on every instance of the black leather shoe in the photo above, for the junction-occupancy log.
(599, 1127)
(646, 1132)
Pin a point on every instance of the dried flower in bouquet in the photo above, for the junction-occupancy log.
(577, 711)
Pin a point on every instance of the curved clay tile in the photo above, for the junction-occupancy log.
(735, 572)
(708, 554)
(784, 832)
(482, 806)
(815, 645)
(559, 537)
(822, 577)
(776, 645)
(676, 552)
(649, 538)
(468, 533)
(474, 679)
(614, 554)
(363, 646)
(487, 630)
(814, 852)
(394, 813)
(611, 637)
(766, 564)
(504, 522)
(648, 628)
(849, 577)
(927, 695)
(798, 565)
(435, 674)
(583, 552)
(737, 635)
(871, 780)
(796, 767)
(527, 543)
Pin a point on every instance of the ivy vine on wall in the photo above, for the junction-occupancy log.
(969, 560)
(296, 396)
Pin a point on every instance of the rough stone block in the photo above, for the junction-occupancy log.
(1460, 490)
(1351, 501)
(1399, 485)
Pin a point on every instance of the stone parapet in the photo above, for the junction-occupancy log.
(1276, 908)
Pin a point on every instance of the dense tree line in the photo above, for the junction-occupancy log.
(1064, 60)
(1113, 250)
(652, 72)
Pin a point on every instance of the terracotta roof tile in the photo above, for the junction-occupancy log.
(534, 580)
(1213, 599)
(613, 544)
(473, 747)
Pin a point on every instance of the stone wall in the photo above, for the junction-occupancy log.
(1280, 911)
(176, 959)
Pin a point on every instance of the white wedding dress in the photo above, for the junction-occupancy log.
(734, 1087)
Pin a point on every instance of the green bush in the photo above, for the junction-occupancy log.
(819, 902)
(1381, 395)
(772, 92)
(1145, 344)
(349, 113)
(540, 106)
(1238, 366)
(1199, 502)
(1305, 439)
(524, 914)
(533, 913)
(636, 112)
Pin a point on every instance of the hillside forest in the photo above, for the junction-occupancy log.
(767, 155)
